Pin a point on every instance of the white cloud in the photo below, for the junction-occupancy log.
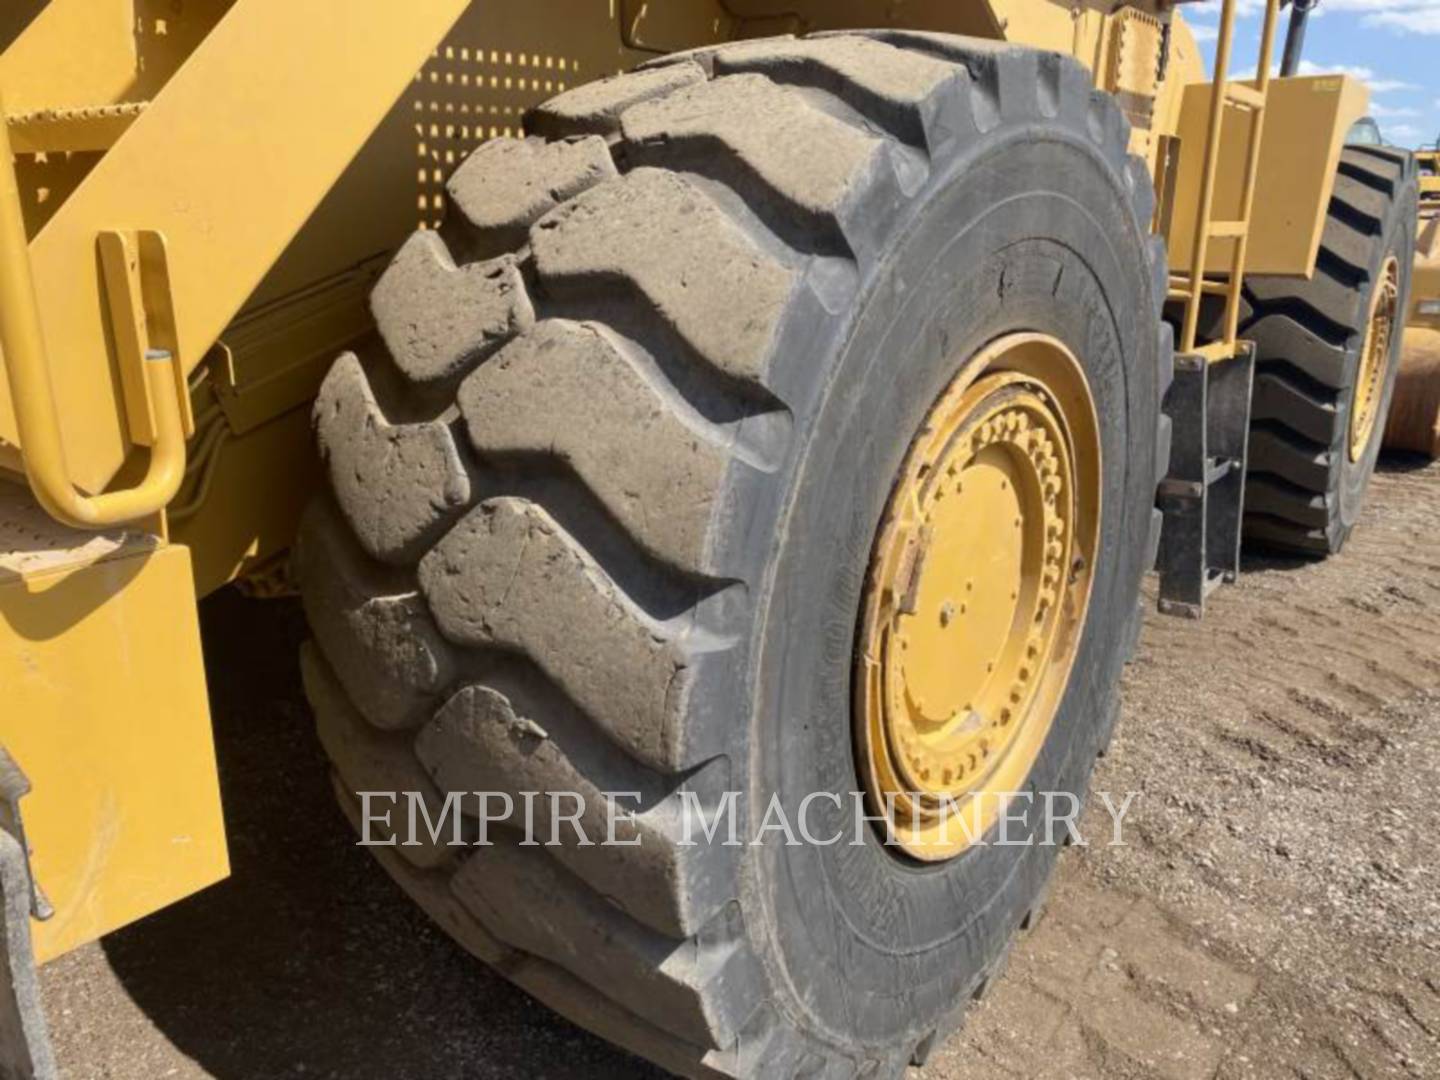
(1414, 16)
(1376, 5)
(1386, 112)
(1401, 132)
(1245, 74)
(1204, 33)
(1387, 86)
(1425, 21)
(1243, 8)
(1355, 71)
(1364, 74)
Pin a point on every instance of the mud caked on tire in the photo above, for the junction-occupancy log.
(604, 502)
(1319, 410)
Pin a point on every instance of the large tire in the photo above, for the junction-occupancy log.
(1304, 487)
(603, 508)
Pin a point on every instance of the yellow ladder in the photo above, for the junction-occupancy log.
(1192, 288)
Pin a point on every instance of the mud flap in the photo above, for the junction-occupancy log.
(1203, 497)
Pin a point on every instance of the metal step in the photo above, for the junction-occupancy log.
(1245, 95)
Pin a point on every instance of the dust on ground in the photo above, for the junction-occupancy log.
(1276, 911)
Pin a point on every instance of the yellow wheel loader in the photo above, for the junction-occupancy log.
(716, 406)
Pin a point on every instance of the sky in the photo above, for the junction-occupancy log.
(1393, 45)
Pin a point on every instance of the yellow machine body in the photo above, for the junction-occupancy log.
(1425, 278)
(1427, 164)
(203, 192)
(104, 703)
(1296, 173)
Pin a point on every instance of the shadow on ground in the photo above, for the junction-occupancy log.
(1402, 461)
(308, 961)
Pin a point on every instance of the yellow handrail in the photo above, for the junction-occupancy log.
(37, 421)
(1198, 249)
(1252, 166)
(1220, 100)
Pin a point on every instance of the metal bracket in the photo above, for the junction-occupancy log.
(25, 1052)
(14, 786)
(135, 268)
(1203, 498)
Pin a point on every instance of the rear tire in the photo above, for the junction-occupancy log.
(603, 506)
(1305, 487)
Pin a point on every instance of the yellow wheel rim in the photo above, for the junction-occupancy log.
(976, 592)
(1374, 359)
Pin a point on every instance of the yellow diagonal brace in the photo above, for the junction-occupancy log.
(227, 163)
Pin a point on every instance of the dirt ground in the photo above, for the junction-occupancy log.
(1275, 913)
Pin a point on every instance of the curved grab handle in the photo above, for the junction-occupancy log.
(33, 399)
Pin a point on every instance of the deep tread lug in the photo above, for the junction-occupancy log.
(1287, 401)
(526, 900)
(1284, 337)
(901, 92)
(1278, 498)
(484, 739)
(531, 589)
(648, 235)
(369, 760)
(439, 319)
(507, 185)
(603, 419)
(1292, 458)
(596, 108)
(376, 633)
(809, 161)
(400, 485)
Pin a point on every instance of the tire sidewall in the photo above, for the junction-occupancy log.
(1032, 230)
(1400, 242)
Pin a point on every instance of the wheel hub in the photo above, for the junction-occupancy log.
(979, 579)
(1374, 359)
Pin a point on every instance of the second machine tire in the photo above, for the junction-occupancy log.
(1326, 352)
